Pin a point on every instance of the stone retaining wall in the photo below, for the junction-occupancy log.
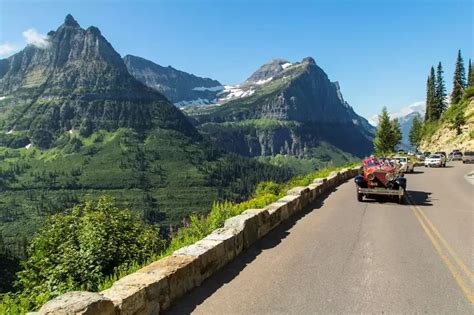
(153, 288)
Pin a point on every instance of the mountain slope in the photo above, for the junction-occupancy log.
(299, 95)
(179, 87)
(76, 125)
(79, 80)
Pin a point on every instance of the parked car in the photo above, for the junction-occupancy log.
(379, 179)
(426, 154)
(438, 160)
(401, 151)
(442, 153)
(456, 156)
(468, 157)
(406, 166)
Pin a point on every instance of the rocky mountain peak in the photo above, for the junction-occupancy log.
(309, 60)
(93, 30)
(267, 71)
(70, 21)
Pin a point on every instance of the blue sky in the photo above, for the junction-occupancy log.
(379, 50)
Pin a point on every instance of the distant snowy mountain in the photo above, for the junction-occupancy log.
(405, 117)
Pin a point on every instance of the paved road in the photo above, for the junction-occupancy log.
(343, 256)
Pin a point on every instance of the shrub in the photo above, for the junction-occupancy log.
(77, 249)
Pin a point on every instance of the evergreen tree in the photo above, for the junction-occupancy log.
(388, 134)
(396, 133)
(415, 132)
(439, 105)
(459, 80)
(470, 75)
(430, 95)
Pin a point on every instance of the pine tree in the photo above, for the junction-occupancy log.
(388, 134)
(439, 105)
(459, 80)
(470, 75)
(396, 133)
(430, 95)
(415, 132)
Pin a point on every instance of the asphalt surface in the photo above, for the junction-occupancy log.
(344, 256)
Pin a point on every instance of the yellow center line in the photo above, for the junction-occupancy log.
(452, 268)
(455, 256)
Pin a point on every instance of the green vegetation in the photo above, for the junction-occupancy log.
(76, 249)
(459, 80)
(388, 134)
(416, 132)
(439, 105)
(430, 95)
(470, 75)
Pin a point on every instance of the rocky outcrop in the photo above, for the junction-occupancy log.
(77, 81)
(179, 87)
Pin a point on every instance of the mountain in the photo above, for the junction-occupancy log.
(77, 81)
(405, 116)
(285, 108)
(75, 125)
(179, 87)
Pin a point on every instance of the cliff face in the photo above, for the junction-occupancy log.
(76, 80)
(179, 87)
(299, 93)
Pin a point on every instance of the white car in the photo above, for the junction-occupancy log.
(438, 160)
(406, 166)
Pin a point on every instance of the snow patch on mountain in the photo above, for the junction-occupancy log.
(260, 82)
(286, 65)
(231, 92)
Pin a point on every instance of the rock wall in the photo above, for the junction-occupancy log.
(155, 287)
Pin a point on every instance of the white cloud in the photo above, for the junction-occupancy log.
(7, 48)
(32, 37)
